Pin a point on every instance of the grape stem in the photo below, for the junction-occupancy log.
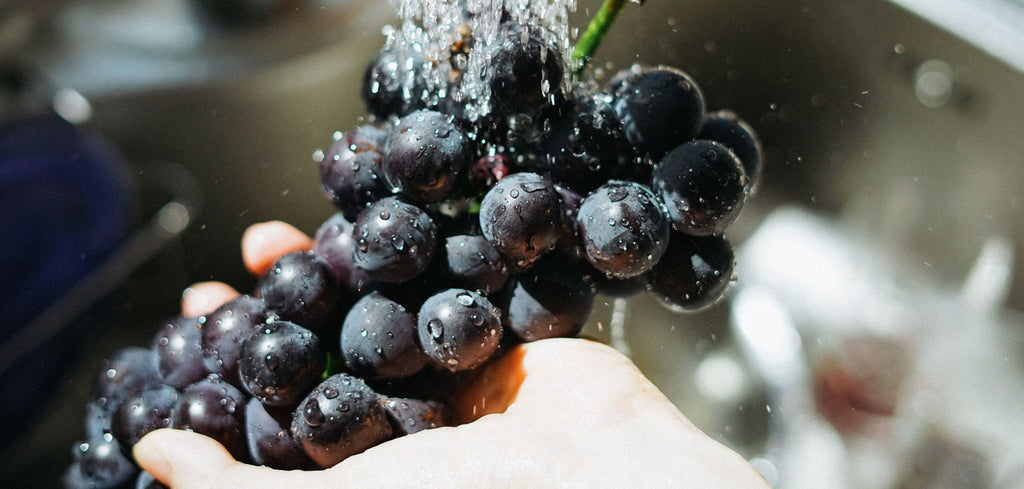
(595, 32)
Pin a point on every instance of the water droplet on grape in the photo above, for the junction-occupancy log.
(436, 329)
(312, 414)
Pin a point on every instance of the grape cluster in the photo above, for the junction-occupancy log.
(458, 233)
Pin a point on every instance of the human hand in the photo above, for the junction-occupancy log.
(551, 413)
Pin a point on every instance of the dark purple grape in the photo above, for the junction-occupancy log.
(147, 410)
(299, 287)
(553, 299)
(395, 240)
(72, 478)
(409, 416)
(470, 262)
(725, 127)
(350, 169)
(525, 71)
(703, 186)
(341, 417)
(393, 83)
(623, 228)
(459, 329)
(586, 146)
(146, 481)
(270, 440)
(223, 331)
(216, 409)
(694, 273)
(660, 108)
(424, 156)
(97, 418)
(379, 341)
(521, 216)
(124, 372)
(100, 462)
(178, 345)
(280, 362)
(334, 243)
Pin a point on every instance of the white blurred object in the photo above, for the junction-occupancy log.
(995, 26)
(807, 283)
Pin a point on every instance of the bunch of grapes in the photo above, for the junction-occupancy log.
(465, 224)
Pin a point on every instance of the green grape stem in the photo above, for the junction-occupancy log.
(595, 32)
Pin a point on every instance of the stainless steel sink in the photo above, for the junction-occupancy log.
(890, 128)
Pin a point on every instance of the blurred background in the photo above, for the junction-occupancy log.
(872, 339)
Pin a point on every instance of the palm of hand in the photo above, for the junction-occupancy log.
(552, 413)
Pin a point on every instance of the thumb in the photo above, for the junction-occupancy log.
(186, 460)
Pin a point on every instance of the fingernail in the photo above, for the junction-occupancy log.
(149, 457)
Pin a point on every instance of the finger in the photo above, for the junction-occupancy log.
(186, 460)
(204, 297)
(586, 398)
(531, 374)
(265, 242)
(574, 369)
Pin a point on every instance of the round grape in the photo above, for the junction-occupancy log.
(459, 329)
(379, 341)
(100, 462)
(124, 372)
(178, 345)
(350, 169)
(694, 273)
(424, 156)
(521, 216)
(659, 108)
(725, 127)
(147, 410)
(341, 417)
(268, 436)
(470, 262)
(299, 287)
(216, 409)
(703, 186)
(586, 146)
(553, 299)
(280, 363)
(623, 228)
(395, 240)
(334, 243)
(393, 83)
(525, 70)
(223, 331)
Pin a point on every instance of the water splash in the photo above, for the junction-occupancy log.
(446, 40)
